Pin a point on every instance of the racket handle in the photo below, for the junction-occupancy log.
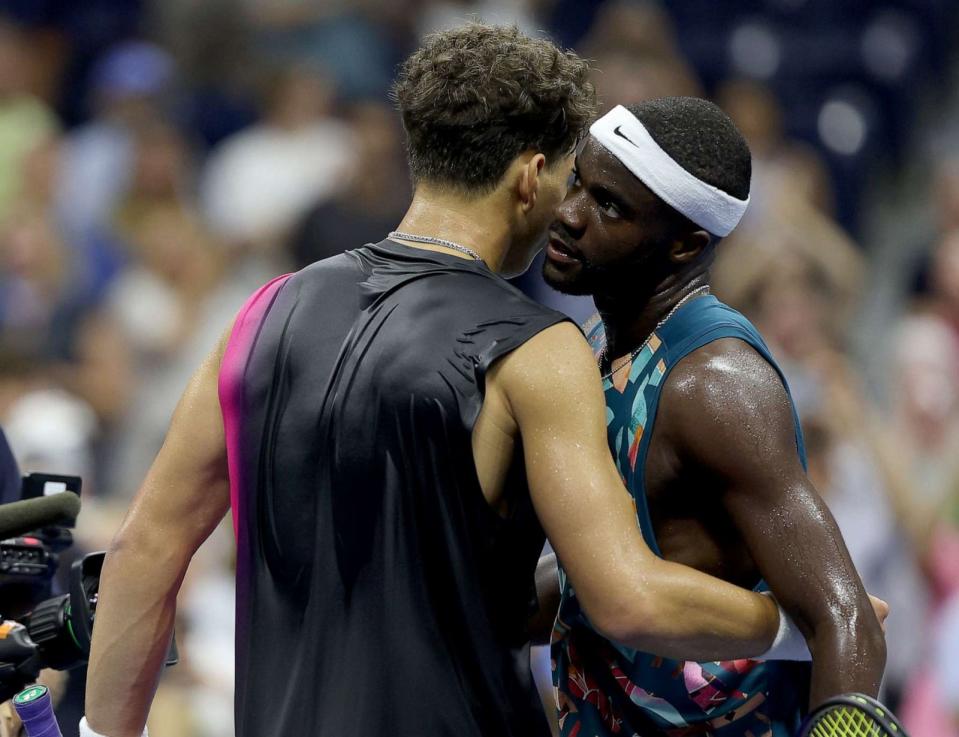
(35, 709)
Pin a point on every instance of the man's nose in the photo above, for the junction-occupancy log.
(571, 213)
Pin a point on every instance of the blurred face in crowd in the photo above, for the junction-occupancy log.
(794, 307)
(755, 111)
(301, 96)
(14, 64)
(161, 163)
(927, 399)
(31, 250)
(611, 233)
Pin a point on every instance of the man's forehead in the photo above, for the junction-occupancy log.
(598, 166)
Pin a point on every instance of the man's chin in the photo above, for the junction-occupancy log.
(565, 281)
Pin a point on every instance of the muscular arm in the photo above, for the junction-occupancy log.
(552, 388)
(725, 411)
(185, 494)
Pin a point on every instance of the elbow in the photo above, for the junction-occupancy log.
(857, 633)
(625, 623)
(138, 545)
(128, 541)
(872, 638)
(866, 647)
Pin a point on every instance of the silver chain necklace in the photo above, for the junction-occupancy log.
(703, 290)
(396, 234)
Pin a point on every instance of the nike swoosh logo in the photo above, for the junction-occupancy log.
(622, 135)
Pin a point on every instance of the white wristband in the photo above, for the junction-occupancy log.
(789, 643)
(86, 731)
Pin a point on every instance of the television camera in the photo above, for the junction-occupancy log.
(39, 630)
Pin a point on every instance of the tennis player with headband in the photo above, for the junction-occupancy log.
(394, 428)
(704, 433)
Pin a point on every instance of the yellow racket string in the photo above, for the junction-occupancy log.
(847, 721)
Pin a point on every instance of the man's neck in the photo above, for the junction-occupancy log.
(630, 318)
(477, 224)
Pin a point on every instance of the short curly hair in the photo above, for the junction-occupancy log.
(701, 138)
(473, 98)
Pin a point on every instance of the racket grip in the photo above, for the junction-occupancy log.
(35, 709)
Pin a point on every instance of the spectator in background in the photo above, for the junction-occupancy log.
(925, 404)
(217, 76)
(932, 706)
(636, 55)
(257, 183)
(51, 429)
(925, 412)
(179, 288)
(50, 287)
(947, 665)
(169, 304)
(643, 28)
(376, 192)
(946, 194)
(442, 15)
(782, 169)
(161, 175)
(357, 42)
(62, 371)
(944, 282)
(173, 267)
(799, 279)
(25, 121)
(129, 85)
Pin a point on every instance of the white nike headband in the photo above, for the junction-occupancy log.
(621, 133)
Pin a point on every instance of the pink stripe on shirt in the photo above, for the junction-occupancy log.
(232, 371)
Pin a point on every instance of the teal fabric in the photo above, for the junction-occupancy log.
(605, 689)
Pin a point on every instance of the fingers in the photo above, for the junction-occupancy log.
(881, 608)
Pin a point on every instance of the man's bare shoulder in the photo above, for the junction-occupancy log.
(723, 373)
(558, 348)
(726, 397)
(556, 365)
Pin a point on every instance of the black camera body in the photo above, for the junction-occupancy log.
(29, 563)
(38, 630)
(56, 634)
(26, 557)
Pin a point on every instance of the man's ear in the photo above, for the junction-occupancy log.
(529, 181)
(690, 247)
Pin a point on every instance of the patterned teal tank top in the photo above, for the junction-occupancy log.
(603, 688)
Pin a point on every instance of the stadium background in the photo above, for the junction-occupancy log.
(160, 160)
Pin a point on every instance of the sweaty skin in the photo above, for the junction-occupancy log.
(184, 496)
(726, 489)
(547, 394)
(728, 496)
(543, 408)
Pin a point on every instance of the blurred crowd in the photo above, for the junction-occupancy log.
(159, 161)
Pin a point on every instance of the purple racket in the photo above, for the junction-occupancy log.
(35, 710)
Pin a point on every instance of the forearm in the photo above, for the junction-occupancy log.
(849, 655)
(688, 615)
(134, 625)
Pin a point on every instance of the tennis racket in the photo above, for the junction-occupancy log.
(35, 710)
(852, 715)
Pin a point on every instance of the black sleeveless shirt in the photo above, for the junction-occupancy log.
(377, 591)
